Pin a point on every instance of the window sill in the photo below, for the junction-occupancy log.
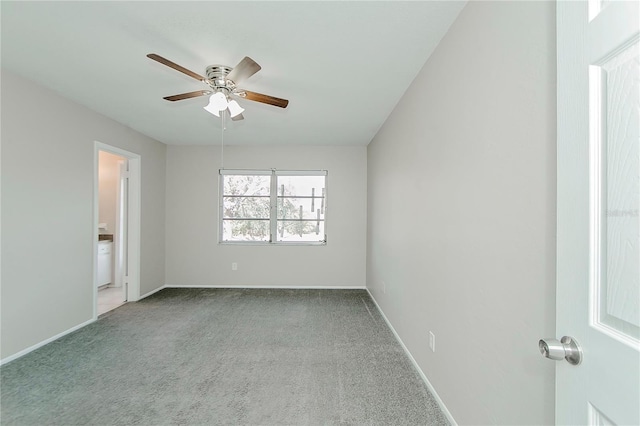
(267, 243)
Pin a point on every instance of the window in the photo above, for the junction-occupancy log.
(273, 206)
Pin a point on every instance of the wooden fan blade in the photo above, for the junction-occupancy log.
(245, 69)
(238, 117)
(175, 66)
(265, 99)
(188, 95)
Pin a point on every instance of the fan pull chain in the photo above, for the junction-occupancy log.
(222, 140)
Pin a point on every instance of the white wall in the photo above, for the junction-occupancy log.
(108, 189)
(461, 225)
(108, 183)
(194, 257)
(48, 225)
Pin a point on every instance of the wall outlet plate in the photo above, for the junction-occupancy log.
(432, 341)
(234, 266)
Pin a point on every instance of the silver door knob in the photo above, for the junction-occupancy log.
(567, 348)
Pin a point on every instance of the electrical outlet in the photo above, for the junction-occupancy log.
(234, 266)
(432, 341)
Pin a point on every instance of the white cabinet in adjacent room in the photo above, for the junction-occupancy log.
(104, 262)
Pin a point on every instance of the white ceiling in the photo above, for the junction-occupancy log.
(342, 65)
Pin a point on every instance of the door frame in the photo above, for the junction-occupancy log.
(119, 249)
(133, 221)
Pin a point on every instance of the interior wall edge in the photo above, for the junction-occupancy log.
(274, 287)
(462, 214)
(44, 342)
(194, 255)
(48, 212)
(152, 292)
(423, 376)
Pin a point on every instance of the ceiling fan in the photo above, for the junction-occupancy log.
(222, 81)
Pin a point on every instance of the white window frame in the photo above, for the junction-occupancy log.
(273, 205)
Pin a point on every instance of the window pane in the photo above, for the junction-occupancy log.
(301, 197)
(300, 185)
(246, 207)
(245, 230)
(300, 208)
(247, 200)
(246, 185)
(301, 231)
(246, 197)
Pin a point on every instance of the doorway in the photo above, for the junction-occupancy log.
(117, 228)
(112, 229)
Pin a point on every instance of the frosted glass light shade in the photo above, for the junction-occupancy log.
(217, 103)
(212, 110)
(234, 108)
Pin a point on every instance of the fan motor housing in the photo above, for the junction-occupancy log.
(216, 74)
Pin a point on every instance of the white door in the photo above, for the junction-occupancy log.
(598, 257)
(122, 214)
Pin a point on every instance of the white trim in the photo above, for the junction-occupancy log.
(443, 407)
(133, 228)
(121, 226)
(594, 7)
(279, 243)
(273, 211)
(79, 326)
(96, 220)
(64, 333)
(596, 417)
(270, 172)
(300, 172)
(597, 227)
(133, 234)
(246, 172)
(44, 342)
(277, 287)
(152, 292)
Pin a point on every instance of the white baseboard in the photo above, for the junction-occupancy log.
(443, 407)
(44, 342)
(278, 287)
(57, 336)
(152, 292)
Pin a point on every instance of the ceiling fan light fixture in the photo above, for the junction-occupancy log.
(217, 103)
(223, 81)
(234, 108)
(212, 111)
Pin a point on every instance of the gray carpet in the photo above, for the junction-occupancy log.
(223, 356)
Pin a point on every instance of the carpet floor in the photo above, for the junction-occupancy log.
(227, 357)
